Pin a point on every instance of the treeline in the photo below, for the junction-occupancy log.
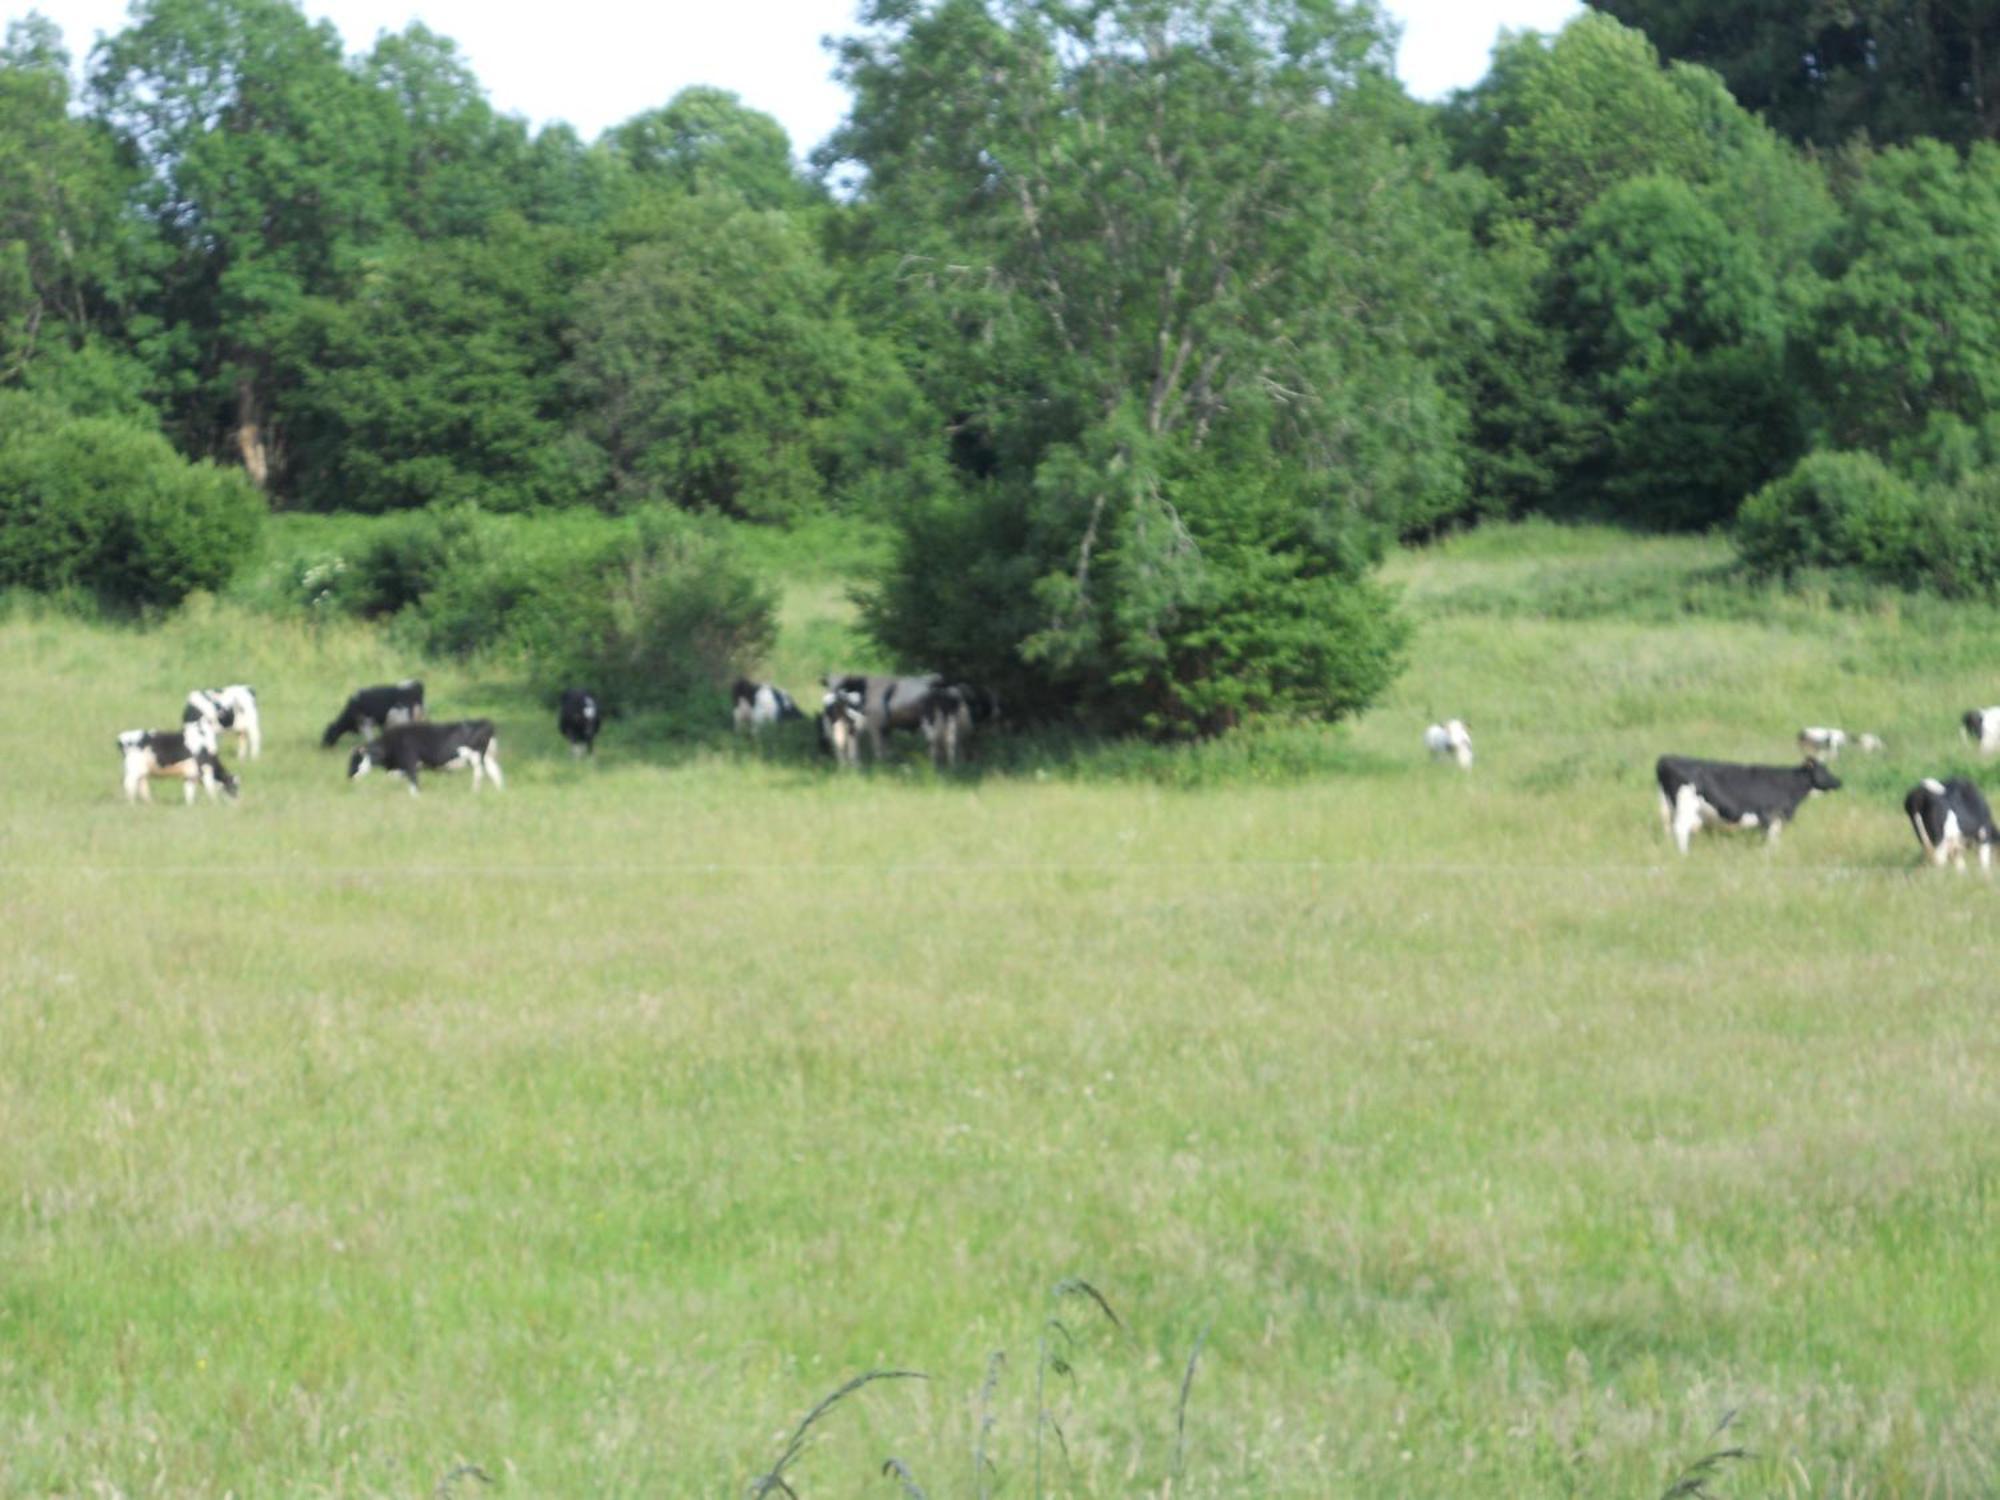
(1144, 326)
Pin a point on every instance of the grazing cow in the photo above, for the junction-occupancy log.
(757, 704)
(1694, 793)
(378, 708)
(840, 725)
(1982, 726)
(1823, 742)
(409, 748)
(578, 719)
(886, 702)
(186, 754)
(1947, 816)
(1450, 738)
(233, 708)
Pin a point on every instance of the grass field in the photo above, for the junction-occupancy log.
(592, 1132)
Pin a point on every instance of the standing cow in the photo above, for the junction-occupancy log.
(407, 749)
(755, 706)
(578, 718)
(1720, 794)
(232, 708)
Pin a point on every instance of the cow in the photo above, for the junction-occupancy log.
(1694, 793)
(186, 754)
(1982, 727)
(377, 708)
(1450, 738)
(1948, 815)
(982, 704)
(578, 718)
(840, 725)
(758, 704)
(233, 708)
(946, 721)
(1824, 742)
(887, 702)
(405, 749)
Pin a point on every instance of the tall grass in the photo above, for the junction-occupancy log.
(589, 1132)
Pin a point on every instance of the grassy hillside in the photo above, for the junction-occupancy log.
(590, 1133)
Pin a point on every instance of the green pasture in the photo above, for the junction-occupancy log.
(590, 1133)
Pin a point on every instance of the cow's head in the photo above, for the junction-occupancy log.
(226, 779)
(1819, 778)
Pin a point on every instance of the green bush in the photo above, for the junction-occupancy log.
(102, 505)
(1848, 511)
(1835, 510)
(649, 612)
(1176, 601)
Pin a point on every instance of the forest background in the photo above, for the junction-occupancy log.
(1139, 330)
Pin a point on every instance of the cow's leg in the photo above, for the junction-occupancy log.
(1923, 839)
(187, 791)
(1687, 815)
(492, 759)
(1986, 859)
(1772, 829)
(1666, 815)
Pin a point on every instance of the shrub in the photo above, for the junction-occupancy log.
(100, 504)
(1834, 510)
(649, 612)
(1178, 600)
(1848, 511)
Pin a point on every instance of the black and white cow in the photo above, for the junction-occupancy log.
(378, 708)
(1982, 727)
(1698, 793)
(1822, 740)
(578, 718)
(406, 749)
(233, 708)
(841, 724)
(756, 705)
(186, 755)
(1451, 738)
(887, 702)
(983, 704)
(946, 721)
(1949, 815)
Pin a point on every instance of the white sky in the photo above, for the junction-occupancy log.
(609, 59)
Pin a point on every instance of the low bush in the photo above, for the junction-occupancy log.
(1834, 510)
(649, 612)
(1849, 512)
(102, 505)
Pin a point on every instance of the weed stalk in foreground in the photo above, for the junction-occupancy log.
(1692, 1483)
(775, 1478)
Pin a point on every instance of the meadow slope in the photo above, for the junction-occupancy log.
(591, 1132)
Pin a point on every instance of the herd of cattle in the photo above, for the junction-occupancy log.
(397, 735)
(1950, 817)
(866, 707)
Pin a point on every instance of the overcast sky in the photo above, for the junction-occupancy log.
(607, 60)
